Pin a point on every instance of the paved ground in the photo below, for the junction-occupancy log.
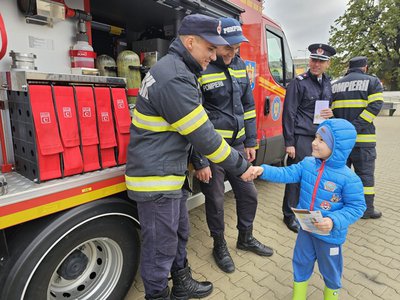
(371, 253)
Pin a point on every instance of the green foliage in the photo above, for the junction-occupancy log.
(370, 28)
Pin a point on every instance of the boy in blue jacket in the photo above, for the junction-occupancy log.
(328, 185)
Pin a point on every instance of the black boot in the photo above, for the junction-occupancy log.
(185, 287)
(371, 212)
(291, 224)
(163, 295)
(247, 242)
(221, 254)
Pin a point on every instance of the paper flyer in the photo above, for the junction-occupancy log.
(320, 105)
(307, 218)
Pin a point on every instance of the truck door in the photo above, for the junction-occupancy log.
(278, 70)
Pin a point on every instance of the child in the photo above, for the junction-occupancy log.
(328, 185)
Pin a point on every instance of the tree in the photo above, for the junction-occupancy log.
(369, 28)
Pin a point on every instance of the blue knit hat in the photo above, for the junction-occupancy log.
(326, 135)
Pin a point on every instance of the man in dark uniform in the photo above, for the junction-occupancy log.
(358, 98)
(167, 120)
(229, 102)
(298, 118)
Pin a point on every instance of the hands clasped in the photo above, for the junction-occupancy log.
(252, 173)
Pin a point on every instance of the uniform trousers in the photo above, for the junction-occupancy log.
(363, 161)
(245, 195)
(309, 249)
(164, 232)
(292, 190)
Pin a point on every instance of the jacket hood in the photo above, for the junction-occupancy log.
(179, 49)
(344, 138)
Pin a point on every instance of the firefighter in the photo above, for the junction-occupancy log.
(358, 98)
(229, 102)
(298, 118)
(167, 119)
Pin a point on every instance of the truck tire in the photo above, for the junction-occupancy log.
(89, 252)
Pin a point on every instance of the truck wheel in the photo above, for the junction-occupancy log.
(94, 258)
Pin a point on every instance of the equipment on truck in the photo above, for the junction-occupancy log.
(106, 65)
(128, 65)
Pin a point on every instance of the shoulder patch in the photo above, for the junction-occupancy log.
(302, 76)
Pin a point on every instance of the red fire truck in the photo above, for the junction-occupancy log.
(75, 235)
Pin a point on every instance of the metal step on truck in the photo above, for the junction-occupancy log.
(67, 227)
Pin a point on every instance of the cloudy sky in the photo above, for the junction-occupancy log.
(305, 21)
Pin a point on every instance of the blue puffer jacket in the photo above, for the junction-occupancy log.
(329, 186)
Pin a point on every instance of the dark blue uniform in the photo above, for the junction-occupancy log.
(298, 127)
(358, 98)
(229, 103)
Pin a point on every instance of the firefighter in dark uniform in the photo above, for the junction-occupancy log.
(167, 119)
(298, 118)
(358, 98)
(229, 102)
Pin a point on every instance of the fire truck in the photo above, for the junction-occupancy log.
(67, 228)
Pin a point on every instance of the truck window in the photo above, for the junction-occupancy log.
(279, 58)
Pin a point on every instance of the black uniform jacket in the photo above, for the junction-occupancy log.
(167, 120)
(358, 98)
(229, 102)
(299, 105)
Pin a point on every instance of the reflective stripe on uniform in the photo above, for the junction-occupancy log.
(367, 116)
(351, 103)
(366, 138)
(375, 97)
(237, 73)
(369, 190)
(227, 134)
(154, 183)
(152, 123)
(250, 114)
(241, 133)
(191, 121)
(221, 153)
(207, 78)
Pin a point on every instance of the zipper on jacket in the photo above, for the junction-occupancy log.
(320, 171)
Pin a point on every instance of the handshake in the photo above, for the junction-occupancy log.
(252, 173)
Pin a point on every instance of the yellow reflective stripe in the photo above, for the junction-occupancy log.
(191, 121)
(250, 114)
(366, 138)
(207, 78)
(367, 116)
(221, 153)
(227, 134)
(154, 183)
(375, 97)
(152, 123)
(240, 133)
(237, 73)
(351, 103)
(369, 190)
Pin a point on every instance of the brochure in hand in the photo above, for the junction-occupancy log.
(320, 105)
(307, 219)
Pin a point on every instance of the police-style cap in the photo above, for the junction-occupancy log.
(232, 31)
(204, 26)
(358, 62)
(321, 51)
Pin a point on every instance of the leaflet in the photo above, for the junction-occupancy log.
(307, 219)
(319, 105)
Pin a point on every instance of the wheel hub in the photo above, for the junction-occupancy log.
(73, 266)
